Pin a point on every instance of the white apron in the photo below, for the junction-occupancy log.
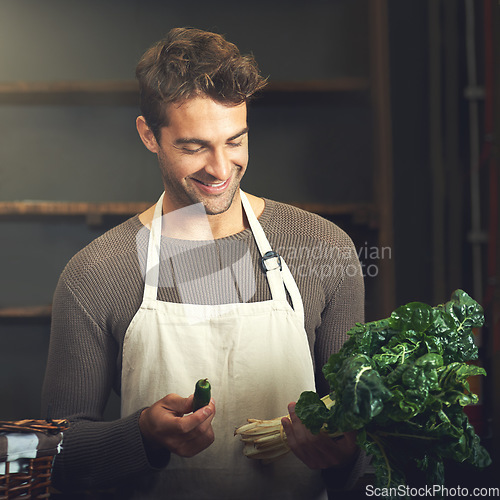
(257, 359)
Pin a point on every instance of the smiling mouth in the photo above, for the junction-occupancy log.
(213, 186)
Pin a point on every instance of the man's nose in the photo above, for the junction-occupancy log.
(219, 165)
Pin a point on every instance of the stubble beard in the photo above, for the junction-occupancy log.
(220, 205)
(183, 195)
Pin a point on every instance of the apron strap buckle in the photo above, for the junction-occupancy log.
(270, 255)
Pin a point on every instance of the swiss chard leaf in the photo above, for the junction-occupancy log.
(402, 383)
(466, 311)
(360, 393)
(312, 411)
(415, 316)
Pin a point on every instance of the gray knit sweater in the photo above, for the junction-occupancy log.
(101, 289)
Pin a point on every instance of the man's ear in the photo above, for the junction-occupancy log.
(146, 134)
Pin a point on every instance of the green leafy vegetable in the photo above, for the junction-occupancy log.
(402, 383)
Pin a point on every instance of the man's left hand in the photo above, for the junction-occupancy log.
(318, 451)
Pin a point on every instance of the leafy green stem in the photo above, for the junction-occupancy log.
(376, 440)
(397, 434)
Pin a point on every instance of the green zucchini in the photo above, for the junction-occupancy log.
(202, 394)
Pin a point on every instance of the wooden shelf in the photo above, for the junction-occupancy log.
(344, 84)
(94, 212)
(31, 312)
(70, 208)
(126, 92)
(70, 92)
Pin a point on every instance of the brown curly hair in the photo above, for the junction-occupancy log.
(190, 62)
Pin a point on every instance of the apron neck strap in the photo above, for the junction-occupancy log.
(272, 264)
(153, 256)
(277, 272)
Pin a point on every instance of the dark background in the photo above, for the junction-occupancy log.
(304, 147)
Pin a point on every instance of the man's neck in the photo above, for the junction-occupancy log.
(192, 223)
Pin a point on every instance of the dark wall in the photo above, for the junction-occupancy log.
(301, 149)
(311, 148)
(408, 52)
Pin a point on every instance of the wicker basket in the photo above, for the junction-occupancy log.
(35, 478)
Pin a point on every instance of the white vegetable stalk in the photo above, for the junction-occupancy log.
(266, 439)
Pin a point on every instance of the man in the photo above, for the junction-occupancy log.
(198, 286)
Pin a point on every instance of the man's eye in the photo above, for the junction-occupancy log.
(191, 151)
(235, 144)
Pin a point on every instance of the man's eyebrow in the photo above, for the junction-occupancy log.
(202, 142)
(239, 134)
(193, 140)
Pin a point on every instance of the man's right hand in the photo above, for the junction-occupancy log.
(166, 424)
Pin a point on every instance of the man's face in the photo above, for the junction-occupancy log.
(203, 154)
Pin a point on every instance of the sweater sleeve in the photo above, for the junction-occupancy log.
(344, 308)
(78, 380)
